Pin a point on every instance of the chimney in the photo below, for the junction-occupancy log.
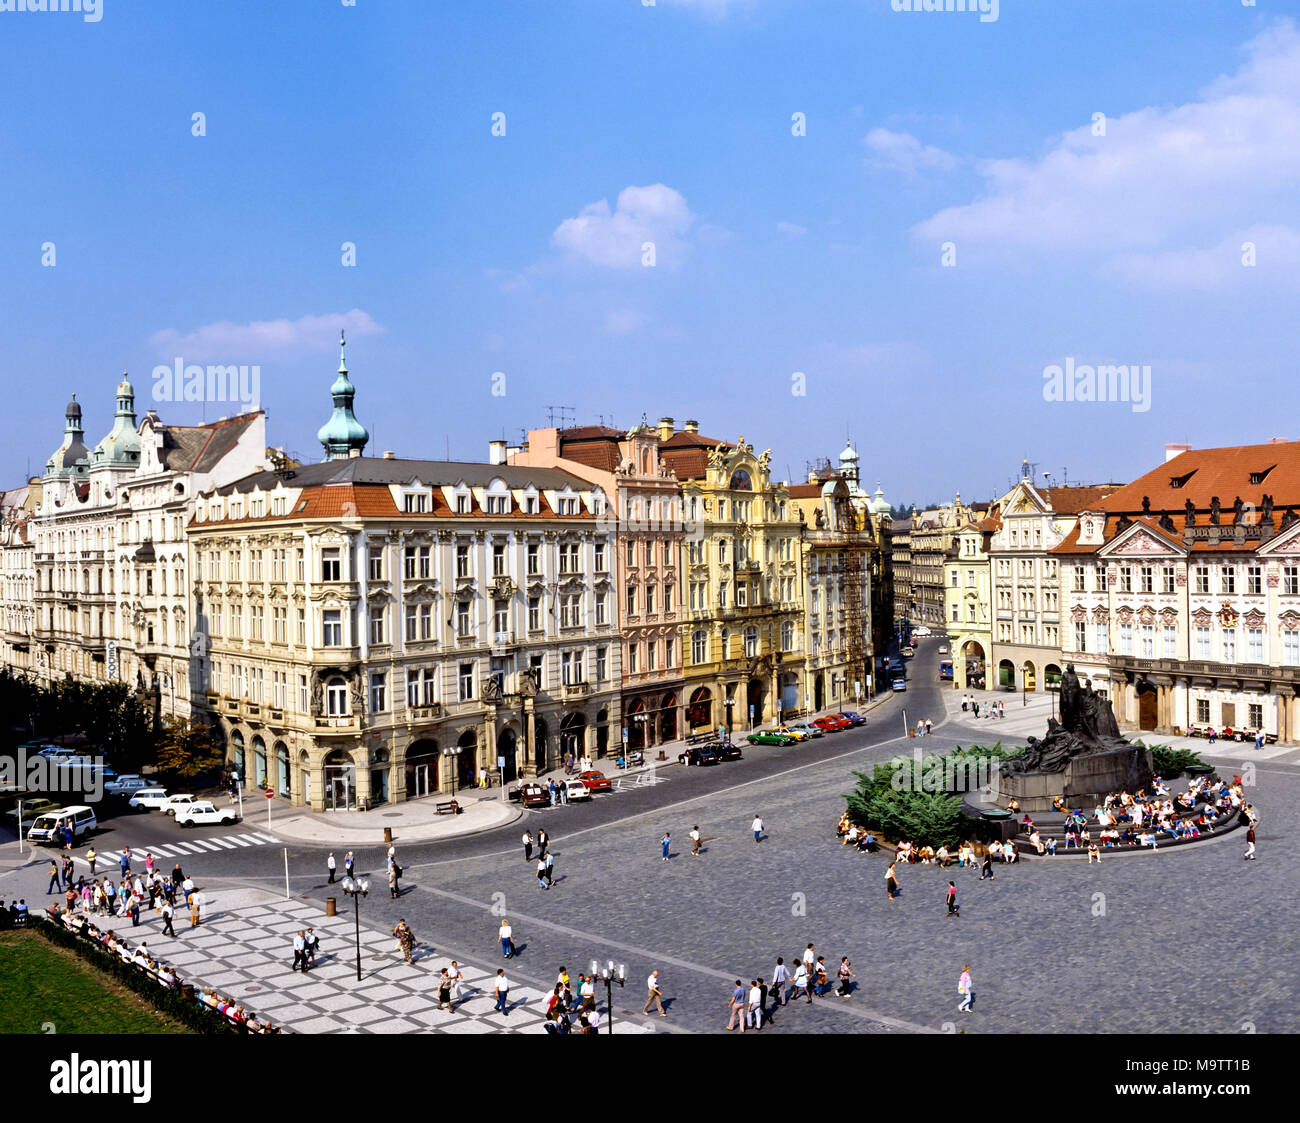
(496, 452)
(354, 453)
(665, 428)
(692, 426)
(389, 454)
(1173, 450)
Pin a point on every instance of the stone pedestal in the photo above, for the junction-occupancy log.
(1084, 781)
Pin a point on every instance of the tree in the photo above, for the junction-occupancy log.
(190, 751)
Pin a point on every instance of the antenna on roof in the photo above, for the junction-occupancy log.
(562, 414)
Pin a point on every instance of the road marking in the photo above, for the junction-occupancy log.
(237, 840)
(223, 842)
(188, 847)
(165, 851)
(205, 844)
(266, 837)
(251, 839)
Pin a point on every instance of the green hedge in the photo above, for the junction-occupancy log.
(1171, 763)
(173, 1003)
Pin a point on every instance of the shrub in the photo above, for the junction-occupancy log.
(1170, 763)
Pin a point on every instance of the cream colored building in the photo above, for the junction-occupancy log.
(18, 575)
(968, 602)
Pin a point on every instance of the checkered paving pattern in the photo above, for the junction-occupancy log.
(244, 949)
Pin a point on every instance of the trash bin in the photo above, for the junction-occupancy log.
(331, 906)
(388, 834)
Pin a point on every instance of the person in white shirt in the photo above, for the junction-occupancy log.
(757, 827)
(695, 841)
(801, 981)
(506, 935)
(755, 1016)
(653, 994)
(780, 976)
(502, 990)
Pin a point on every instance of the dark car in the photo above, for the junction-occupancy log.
(701, 754)
(532, 795)
(853, 717)
(728, 750)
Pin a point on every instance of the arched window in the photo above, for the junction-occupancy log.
(699, 647)
(726, 643)
(740, 481)
(336, 697)
(787, 636)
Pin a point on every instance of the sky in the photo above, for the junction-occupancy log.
(865, 223)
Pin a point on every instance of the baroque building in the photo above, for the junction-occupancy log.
(18, 575)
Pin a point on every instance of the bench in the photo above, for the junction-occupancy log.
(449, 807)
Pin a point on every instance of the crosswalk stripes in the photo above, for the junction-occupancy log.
(206, 845)
(267, 837)
(251, 839)
(222, 842)
(237, 840)
(109, 860)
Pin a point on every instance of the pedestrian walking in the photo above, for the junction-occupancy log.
(124, 861)
(986, 870)
(528, 846)
(780, 976)
(196, 914)
(91, 857)
(300, 951)
(757, 827)
(457, 978)
(68, 870)
(168, 913)
(846, 977)
(178, 874)
(541, 873)
(801, 981)
(1250, 843)
(444, 991)
(187, 887)
(543, 841)
(506, 935)
(653, 994)
(754, 1013)
(966, 990)
(502, 988)
(965, 702)
(953, 908)
(54, 878)
(332, 866)
(929, 727)
(819, 976)
(554, 792)
(695, 841)
(348, 864)
(393, 891)
(550, 869)
(313, 945)
(737, 1007)
(405, 939)
(148, 863)
(564, 794)
(891, 882)
(665, 843)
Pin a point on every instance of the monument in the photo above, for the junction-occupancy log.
(1082, 758)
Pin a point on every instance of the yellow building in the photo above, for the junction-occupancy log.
(968, 602)
(742, 585)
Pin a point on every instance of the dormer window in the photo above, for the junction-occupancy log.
(497, 499)
(1260, 477)
(1180, 481)
(462, 501)
(566, 503)
(278, 505)
(530, 501)
(415, 502)
(598, 502)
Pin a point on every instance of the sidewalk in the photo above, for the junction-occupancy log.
(244, 950)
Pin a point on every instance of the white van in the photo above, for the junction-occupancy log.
(148, 799)
(48, 827)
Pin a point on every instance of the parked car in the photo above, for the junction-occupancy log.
(147, 799)
(532, 794)
(832, 723)
(909, 651)
(806, 727)
(126, 784)
(701, 755)
(922, 630)
(32, 808)
(899, 684)
(48, 827)
(575, 790)
(174, 803)
(769, 737)
(596, 781)
(792, 732)
(943, 649)
(201, 813)
(852, 717)
(728, 750)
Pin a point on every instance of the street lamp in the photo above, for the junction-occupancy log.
(610, 977)
(356, 888)
(729, 703)
(452, 751)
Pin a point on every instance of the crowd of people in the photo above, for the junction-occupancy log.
(78, 921)
(971, 705)
(966, 853)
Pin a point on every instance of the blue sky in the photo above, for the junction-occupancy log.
(671, 123)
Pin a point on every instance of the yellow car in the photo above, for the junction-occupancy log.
(797, 734)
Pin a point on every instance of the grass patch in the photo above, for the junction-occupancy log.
(43, 983)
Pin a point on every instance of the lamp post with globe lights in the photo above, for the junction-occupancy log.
(611, 975)
(356, 888)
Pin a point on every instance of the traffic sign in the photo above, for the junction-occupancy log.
(270, 792)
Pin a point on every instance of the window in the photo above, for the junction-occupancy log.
(571, 610)
(536, 666)
(465, 682)
(1254, 580)
(1103, 638)
(412, 621)
(1125, 578)
(533, 562)
(751, 642)
(377, 625)
(568, 506)
(1254, 645)
(600, 557)
(952, 578)
(1203, 709)
(378, 691)
(631, 600)
(1079, 571)
(601, 659)
(1080, 635)
(415, 562)
(649, 599)
(1228, 579)
(375, 558)
(571, 667)
(336, 698)
(462, 618)
(500, 617)
(1203, 642)
(279, 624)
(1170, 641)
(699, 646)
(787, 635)
(255, 622)
(498, 560)
(668, 597)
(1148, 641)
(1255, 715)
(1229, 638)
(1291, 647)
(277, 565)
(234, 567)
(602, 613)
(631, 555)
(414, 680)
(651, 651)
(668, 652)
(332, 628)
(1167, 580)
(726, 643)
(723, 590)
(1201, 578)
(1103, 580)
(299, 565)
(462, 503)
(569, 557)
(534, 614)
(1147, 576)
(742, 594)
(330, 564)
(462, 561)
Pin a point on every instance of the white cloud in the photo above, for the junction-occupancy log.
(1163, 188)
(614, 239)
(305, 335)
(902, 152)
(794, 230)
(622, 321)
(1275, 248)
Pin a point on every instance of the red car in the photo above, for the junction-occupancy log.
(596, 781)
(832, 723)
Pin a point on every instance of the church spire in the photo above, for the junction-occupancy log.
(342, 433)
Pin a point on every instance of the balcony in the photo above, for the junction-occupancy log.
(429, 712)
(574, 690)
(1251, 672)
(504, 643)
(344, 723)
